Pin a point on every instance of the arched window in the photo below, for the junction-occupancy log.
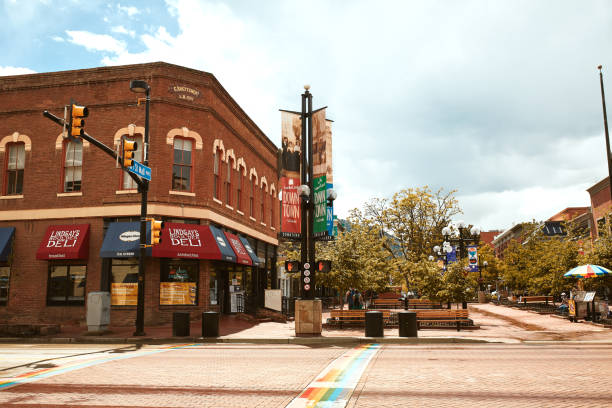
(15, 165)
(183, 165)
(228, 182)
(73, 165)
(252, 199)
(217, 174)
(239, 189)
(128, 182)
(272, 205)
(263, 204)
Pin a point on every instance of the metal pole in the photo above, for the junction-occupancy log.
(310, 221)
(144, 187)
(304, 206)
(605, 116)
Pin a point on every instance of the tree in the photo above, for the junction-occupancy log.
(456, 285)
(410, 224)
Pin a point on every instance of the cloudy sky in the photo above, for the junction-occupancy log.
(499, 100)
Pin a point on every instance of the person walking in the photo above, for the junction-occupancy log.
(358, 300)
(349, 298)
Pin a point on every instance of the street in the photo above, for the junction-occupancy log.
(256, 375)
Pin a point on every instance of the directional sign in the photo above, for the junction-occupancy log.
(140, 170)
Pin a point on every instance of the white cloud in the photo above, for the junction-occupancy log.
(57, 38)
(96, 42)
(130, 11)
(8, 70)
(122, 30)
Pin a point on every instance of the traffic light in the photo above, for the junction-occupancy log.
(156, 231)
(128, 148)
(76, 123)
(292, 266)
(323, 266)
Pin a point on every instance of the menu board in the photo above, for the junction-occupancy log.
(124, 294)
(177, 293)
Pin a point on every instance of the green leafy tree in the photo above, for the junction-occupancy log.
(456, 285)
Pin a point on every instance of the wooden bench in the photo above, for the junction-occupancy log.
(388, 303)
(341, 316)
(536, 299)
(400, 304)
(452, 318)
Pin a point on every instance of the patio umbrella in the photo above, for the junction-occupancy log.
(587, 271)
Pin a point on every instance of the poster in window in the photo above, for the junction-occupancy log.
(177, 293)
(124, 294)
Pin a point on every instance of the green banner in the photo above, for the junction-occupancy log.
(320, 206)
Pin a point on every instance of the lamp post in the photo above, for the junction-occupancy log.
(140, 86)
(480, 283)
(605, 117)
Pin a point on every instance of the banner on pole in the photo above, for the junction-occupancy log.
(320, 207)
(472, 251)
(322, 174)
(290, 180)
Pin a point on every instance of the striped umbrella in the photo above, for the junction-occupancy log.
(587, 271)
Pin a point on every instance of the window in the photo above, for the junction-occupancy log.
(213, 288)
(124, 282)
(263, 204)
(181, 170)
(14, 169)
(239, 190)
(66, 285)
(178, 283)
(217, 176)
(5, 277)
(228, 183)
(272, 205)
(252, 199)
(601, 225)
(128, 182)
(73, 165)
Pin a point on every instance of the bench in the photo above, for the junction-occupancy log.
(400, 304)
(448, 318)
(341, 316)
(536, 299)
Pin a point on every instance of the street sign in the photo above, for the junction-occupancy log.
(140, 170)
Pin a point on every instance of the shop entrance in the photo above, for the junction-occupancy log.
(232, 284)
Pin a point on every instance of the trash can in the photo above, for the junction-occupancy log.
(180, 324)
(374, 324)
(407, 324)
(210, 324)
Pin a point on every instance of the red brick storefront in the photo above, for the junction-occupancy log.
(47, 182)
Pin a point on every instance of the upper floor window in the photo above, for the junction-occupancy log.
(128, 182)
(272, 205)
(14, 169)
(263, 204)
(181, 169)
(228, 182)
(216, 174)
(252, 198)
(239, 190)
(73, 165)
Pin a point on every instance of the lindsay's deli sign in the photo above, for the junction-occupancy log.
(63, 238)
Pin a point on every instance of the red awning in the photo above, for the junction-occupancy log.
(65, 242)
(242, 256)
(191, 241)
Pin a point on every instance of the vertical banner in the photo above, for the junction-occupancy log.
(291, 134)
(322, 175)
(472, 251)
(451, 256)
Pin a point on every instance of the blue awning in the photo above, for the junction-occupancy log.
(122, 240)
(257, 261)
(6, 243)
(226, 250)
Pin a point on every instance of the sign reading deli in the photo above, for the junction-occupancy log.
(184, 92)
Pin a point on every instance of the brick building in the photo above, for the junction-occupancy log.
(69, 217)
(601, 207)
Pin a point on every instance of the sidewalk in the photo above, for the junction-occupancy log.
(498, 324)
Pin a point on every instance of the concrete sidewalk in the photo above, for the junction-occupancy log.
(497, 324)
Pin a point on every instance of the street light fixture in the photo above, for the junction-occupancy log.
(140, 86)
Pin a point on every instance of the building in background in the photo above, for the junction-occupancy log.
(601, 207)
(69, 216)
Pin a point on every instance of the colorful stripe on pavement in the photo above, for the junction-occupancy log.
(336, 383)
(50, 372)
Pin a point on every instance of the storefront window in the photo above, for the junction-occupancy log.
(5, 275)
(179, 283)
(124, 282)
(66, 285)
(214, 288)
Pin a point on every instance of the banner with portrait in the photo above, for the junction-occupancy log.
(290, 179)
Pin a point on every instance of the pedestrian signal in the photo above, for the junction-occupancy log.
(323, 266)
(292, 266)
(128, 148)
(156, 231)
(76, 123)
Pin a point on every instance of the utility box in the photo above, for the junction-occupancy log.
(98, 311)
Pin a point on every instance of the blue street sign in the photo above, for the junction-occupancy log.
(140, 170)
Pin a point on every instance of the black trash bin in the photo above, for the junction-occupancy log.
(180, 324)
(407, 324)
(374, 324)
(210, 324)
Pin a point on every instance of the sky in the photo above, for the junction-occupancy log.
(498, 100)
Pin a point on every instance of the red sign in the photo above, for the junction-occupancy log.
(291, 218)
(65, 242)
(191, 241)
(242, 256)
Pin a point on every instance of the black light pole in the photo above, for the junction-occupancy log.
(605, 116)
(140, 86)
(307, 195)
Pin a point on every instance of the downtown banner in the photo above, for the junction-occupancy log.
(290, 180)
(472, 251)
(323, 228)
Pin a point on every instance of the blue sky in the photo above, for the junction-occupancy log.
(498, 100)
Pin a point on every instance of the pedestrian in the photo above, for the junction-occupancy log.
(358, 301)
(349, 298)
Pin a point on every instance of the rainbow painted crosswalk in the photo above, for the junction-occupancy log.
(335, 385)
